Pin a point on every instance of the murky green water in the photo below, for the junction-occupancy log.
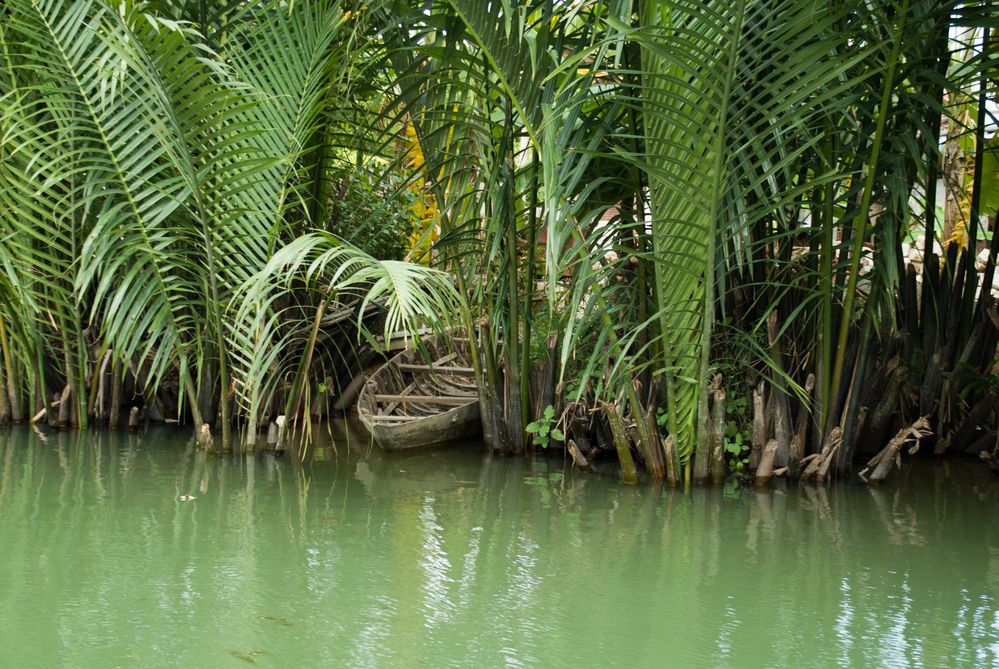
(450, 559)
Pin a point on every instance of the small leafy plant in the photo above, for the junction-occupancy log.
(661, 418)
(737, 445)
(544, 429)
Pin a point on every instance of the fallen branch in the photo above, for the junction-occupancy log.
(44, 410)
(578, 458)
(817, 465)
(890, 454)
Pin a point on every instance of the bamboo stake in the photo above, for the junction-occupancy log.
(515, 404)
(528, 317)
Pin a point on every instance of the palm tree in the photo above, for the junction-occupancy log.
(631, 198)
(166, 173)
(761, 129)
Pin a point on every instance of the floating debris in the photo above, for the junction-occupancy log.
(186, 498)
(250, 656)
(280, 621)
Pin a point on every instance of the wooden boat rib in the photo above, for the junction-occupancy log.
(411, 402)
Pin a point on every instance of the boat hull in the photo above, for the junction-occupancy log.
(455, 425)
(398, 403)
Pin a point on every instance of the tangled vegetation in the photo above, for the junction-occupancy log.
(670, 229)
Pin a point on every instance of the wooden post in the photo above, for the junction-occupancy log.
(282, 433)
(250, 436)
(759, 425)
(801, 431)
(114, 413)
(766, 469)
(672, 466)
(133, 419)
(205, 438)
(65, 399)
(628, 473)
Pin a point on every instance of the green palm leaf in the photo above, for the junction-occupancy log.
(733, 97)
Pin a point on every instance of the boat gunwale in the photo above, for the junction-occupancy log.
(458, 417)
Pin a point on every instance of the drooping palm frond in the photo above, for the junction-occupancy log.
(511, 117)
(28, 249)
(289, 59)
(409, 296)
(80, 58)
(191, 159)
(294, 61)
(733, 96)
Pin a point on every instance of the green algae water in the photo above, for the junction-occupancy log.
(452, 559)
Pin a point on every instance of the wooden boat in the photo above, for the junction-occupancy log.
(415, 400)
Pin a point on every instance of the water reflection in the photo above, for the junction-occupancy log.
(450, 558)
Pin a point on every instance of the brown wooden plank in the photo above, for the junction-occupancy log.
(398, 419)
(391, 407)
(427, 399)
(406, 367)
(447, 358)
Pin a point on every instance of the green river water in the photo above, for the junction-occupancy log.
(452, 559)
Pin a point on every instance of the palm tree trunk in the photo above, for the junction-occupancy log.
(865, 202)
(114, 413)
(4, 403)
(532, 225)
(516, 406)
(13, 395)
